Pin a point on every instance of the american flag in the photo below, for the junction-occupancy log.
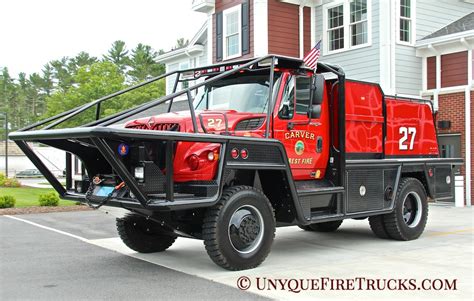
(311, 59)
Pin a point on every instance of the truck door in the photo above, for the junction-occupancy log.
(306, 141)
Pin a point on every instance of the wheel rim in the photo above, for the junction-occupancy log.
(246, 229)
(412, 209)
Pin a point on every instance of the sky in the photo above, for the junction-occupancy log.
(34, 32)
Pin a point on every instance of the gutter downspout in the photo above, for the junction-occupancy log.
(301, 29)
(467, 120)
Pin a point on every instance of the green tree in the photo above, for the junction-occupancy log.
(92, 82)
(61, 74)
(143, 64)
(80, 60)
(181, 43)
(118, 54)
(8, 97)
(36, 94)
(47, 83)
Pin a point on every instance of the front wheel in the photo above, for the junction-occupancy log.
(238, 231)
(143, 235)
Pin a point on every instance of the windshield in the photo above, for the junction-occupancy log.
(242, 93)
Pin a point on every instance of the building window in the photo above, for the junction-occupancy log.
(450, 147)
(336, 27)
(182, 66)
(358, 23)
(405, 21)
(232, 32)
(347, 25)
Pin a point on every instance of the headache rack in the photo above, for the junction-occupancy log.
(91, 141)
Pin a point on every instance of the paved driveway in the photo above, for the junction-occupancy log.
(77, 255)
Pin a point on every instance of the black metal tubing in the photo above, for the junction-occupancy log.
(97, 112)
(175, 86)
(169, 171)
(39, 123)
(41, 167)
(270, 99)
(100, 100)
(191, 109)
(68, 171)
(98, 135)
(73, 112)
(189, 89)
(60, 118)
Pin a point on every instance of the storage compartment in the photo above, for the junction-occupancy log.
(364, 118)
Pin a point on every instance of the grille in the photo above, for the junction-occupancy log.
(157, 127)
(166, 127)
(249, 124)
(138, 127)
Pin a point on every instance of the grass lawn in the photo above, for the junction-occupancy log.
(28, 196)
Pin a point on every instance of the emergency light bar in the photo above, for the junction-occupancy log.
(190, 75)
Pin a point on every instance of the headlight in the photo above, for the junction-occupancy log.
(139, 172)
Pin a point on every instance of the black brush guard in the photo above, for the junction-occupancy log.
(91, 142)
(96, 140)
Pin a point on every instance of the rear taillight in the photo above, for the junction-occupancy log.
(234, 153)
(244, 154)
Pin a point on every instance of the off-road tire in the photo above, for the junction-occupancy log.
(378, 227)
(323, 227)
(142, 235)
(408, 190)
(217, 228)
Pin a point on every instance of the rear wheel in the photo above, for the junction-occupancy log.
(143, 235)
(323, 227)
(408, 219)
(238, 231)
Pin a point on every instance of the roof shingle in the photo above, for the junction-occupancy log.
(464, 24)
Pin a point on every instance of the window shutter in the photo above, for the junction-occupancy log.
(219, 33)
(245, 28)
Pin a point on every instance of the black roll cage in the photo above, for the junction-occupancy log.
(98, 131)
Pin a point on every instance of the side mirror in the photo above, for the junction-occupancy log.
(314, 111)
(317, 89)
(284, 112)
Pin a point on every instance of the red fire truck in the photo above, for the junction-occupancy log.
(256, 144)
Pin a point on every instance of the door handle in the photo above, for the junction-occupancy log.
(319, 144)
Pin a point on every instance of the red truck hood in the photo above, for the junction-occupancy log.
(214, 121)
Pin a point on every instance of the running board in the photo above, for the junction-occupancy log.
(321, 202)
(322, 190)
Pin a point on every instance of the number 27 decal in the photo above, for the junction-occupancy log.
(406, 132)
(211, 122)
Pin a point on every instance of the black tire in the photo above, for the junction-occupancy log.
(408, 219)
(378, 227)
(323, 227)
(232, 229)
(142, 235)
